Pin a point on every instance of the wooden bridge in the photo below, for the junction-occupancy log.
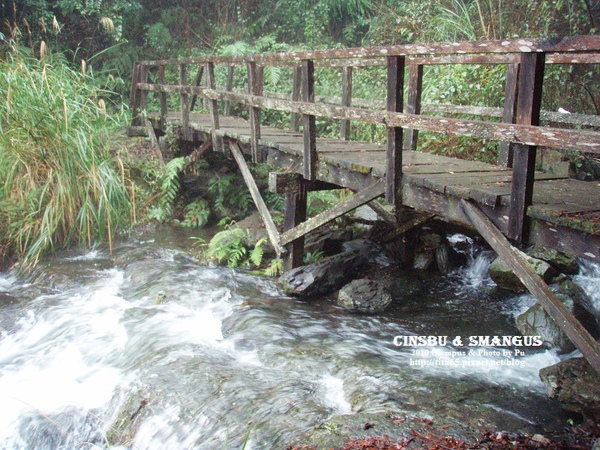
(509, 199)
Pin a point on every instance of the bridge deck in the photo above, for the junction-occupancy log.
(560, 201)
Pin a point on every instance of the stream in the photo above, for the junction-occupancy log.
(216, 358)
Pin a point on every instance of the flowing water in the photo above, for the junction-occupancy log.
(215, 358)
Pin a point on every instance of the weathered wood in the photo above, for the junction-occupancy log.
(295, 213)
(309, 128)
(544, 295)
(164, 110)
(296, 96)
(287, 182)
(505, 157)
(197, 82)
(214, 108)
(579, 140)
(529, 102)
(360, 198)
(395, 92)
(346, 100)
(254, 88)
(185, 103)
(195, 156)
(571, 44)
(229, 88)
(154, 142)
(413, 103)
(382, 212)
(258, 200)
(415, 221)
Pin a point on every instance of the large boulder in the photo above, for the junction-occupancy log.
(364, 296)
(561, 261)
(324, 276)
(576, 385)
(505, 278)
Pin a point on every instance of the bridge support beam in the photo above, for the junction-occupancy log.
(544, 295)
(395, 92)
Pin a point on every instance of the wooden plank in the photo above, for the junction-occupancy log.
(346, 100)
(229, 88)
(254, 88)
(185, 104)
(154, 142)
(197, 82)
(295, 213)
(387, 216)
(531, 78)
(360, 198)
(258, 200)
(286, 182)
(417, 220)
(505, 157)
(214, 109)
(544, 295)
(395, 92)
(164, 110)
(413, 104)
(296, 96)
(571, 44)
(309, 128)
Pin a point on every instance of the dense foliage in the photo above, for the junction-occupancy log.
(59, 183)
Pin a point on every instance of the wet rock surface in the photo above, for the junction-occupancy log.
(561, 261)
(576, 385)
(364, 296)
(505, 278)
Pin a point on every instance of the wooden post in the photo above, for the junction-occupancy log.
(308, 121)
(254, 88)
(213, 106)
(163, 98)
(295, 214)
(395, 85)
(346, 100)
(505, 157)
(413, 103)
(229, 88)
(197, 82)
(258, 200)
(185, 104)
(296, 96)
(544, 295)
(529, 96)
(134, 94)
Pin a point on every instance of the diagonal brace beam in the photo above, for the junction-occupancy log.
(359, 199)
(258, 200)
(540, 290)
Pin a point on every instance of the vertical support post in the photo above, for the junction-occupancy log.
(254, 88)
(413, 103)
(505, 157)
(213, 106)
(296, 95)
(197, 82)
(229, 88)
(185, 104)
(346, 100)
(308, 121)
(529, 101)
(295, 214)
(395, 84)
(134, 95)
(163, 98)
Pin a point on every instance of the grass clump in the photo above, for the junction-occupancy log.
(59, 183)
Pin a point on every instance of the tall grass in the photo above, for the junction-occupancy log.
(59, 184)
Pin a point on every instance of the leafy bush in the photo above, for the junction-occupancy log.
(229, 245)
(169, 189)
(196, 214)
(59, 184)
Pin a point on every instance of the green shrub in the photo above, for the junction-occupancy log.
(59, 183)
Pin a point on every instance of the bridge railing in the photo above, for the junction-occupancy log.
(519, 132)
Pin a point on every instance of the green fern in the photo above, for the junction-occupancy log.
(257, 253)
(168, 190)
(196, 214)
(275, 269)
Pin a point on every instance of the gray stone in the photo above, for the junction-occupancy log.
(536, 322)
(576, 385)
(562, 261)
(505, 278)
(424, 260)
(365, 296)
